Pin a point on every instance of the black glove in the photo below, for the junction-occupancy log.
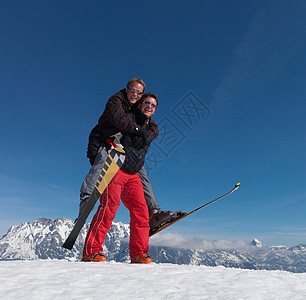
(146, 135)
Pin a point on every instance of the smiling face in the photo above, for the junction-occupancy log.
(134, 92)
(148, 106)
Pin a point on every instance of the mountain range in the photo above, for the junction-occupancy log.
(43, 238)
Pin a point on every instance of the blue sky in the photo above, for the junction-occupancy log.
(230, 76)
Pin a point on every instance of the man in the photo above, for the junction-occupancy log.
(126, 185)
(113, 120)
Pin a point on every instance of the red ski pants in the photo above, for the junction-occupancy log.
(129, 189)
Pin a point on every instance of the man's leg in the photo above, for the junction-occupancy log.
(102, 220)
(92, 177)
(148, 192)
(157, 216)
(133, 199)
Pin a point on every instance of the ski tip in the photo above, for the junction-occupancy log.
(237, 185)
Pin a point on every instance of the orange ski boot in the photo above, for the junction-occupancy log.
(96, 257)
(141, 259)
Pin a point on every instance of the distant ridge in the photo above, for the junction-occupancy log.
(43, 238)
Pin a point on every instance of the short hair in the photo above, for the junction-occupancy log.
(136, 80)
(147, 95)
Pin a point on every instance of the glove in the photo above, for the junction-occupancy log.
(146, 135)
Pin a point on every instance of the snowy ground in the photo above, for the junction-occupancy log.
(55, 279)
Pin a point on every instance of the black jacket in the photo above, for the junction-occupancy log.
(134, 146)
(113, 120)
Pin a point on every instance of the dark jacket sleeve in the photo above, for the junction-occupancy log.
(153, 128)
(114, 119)
(116, 114)
(135, 151)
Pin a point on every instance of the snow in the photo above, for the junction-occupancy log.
(63, 279)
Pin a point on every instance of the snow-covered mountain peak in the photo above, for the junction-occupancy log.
(257, 243)
(299, 248)
(43, 239)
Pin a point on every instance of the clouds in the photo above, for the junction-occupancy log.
(274, 36)
(193, 242)
(23, 200)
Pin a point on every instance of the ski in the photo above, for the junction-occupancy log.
(179, 215)
(112, 164)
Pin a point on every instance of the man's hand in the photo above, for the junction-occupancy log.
(146, 135)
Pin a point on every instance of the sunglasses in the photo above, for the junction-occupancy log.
(134, 91)
(149, 103)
